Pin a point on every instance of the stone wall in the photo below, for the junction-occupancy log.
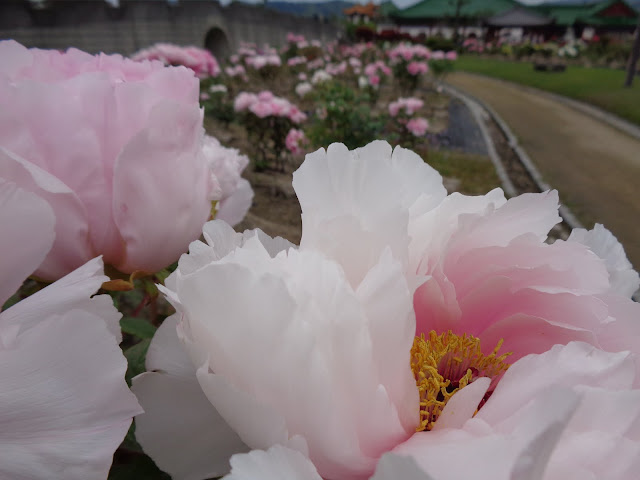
(95, 26)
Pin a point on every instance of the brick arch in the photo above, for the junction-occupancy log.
(216, 41)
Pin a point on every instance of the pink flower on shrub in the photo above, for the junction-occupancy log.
(294, 141)
(374, 80)
(410, 105)
(451, 55)
(293, 38)
(437, 55)
(235, 71)
(201, 61)
(418, 126)
(416, 68)
(108, 142)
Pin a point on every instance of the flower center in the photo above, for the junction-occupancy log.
(445, 363)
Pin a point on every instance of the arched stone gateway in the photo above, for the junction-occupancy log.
(216, 42)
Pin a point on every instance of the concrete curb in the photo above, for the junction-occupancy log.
(481, 111)
(610, 119)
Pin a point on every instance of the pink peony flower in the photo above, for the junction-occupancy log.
(244, 100)
(452, 55)
(295, 140)
(65, 404)
(374, 80)
(390, 322)
(410, 105)
(201, 61)
(108, 142)
(416, 68)
(437, 55)
(418, 126)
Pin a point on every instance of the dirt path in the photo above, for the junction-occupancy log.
(595, 167)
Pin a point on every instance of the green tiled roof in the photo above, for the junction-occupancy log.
(446, 8)
(587, 14)
(387, 8)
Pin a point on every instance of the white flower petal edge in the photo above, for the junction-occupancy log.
(65, 404)
(27, 235)
(277, 463)
(357, 203)
(179, 429)
(623, 278)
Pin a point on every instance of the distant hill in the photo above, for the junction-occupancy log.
(329, 9)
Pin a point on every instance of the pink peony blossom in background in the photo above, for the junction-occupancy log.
(292, 62)
(451, 55)
(266, 104)
(233, 193)
(65, 403)
(417, 68)
(437, 55)
(293, 38)
(201, 61)
(108, 142)
(295, 141)
(418, 126)
(410, 105)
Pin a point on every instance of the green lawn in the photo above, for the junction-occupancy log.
(598, 86)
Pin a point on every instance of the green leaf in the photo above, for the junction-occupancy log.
(136, 467)
(135, 358)
(139, 327)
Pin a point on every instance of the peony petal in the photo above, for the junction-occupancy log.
(27, 235)
(72, 247)
(65, 405)
(234, 208)
(463, 405)
(70, 292)
(180, 429)
(150, 166)
(167, 354)
(623, 278)
(392, 467)
(484, 451)
(277, 463)
(567, 365)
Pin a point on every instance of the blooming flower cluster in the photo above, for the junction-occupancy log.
(417, 68)
(295, 141)
(201, 61)
(415, 329)
(265, 104)
(418, 126)
(260, 61)
(410, 105)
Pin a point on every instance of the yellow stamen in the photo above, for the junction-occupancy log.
(444, 364)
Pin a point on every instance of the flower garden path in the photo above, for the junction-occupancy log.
(594, 166)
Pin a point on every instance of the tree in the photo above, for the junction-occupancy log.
(457, 16)
(633, 57)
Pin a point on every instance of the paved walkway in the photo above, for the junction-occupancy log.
(595, 167)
